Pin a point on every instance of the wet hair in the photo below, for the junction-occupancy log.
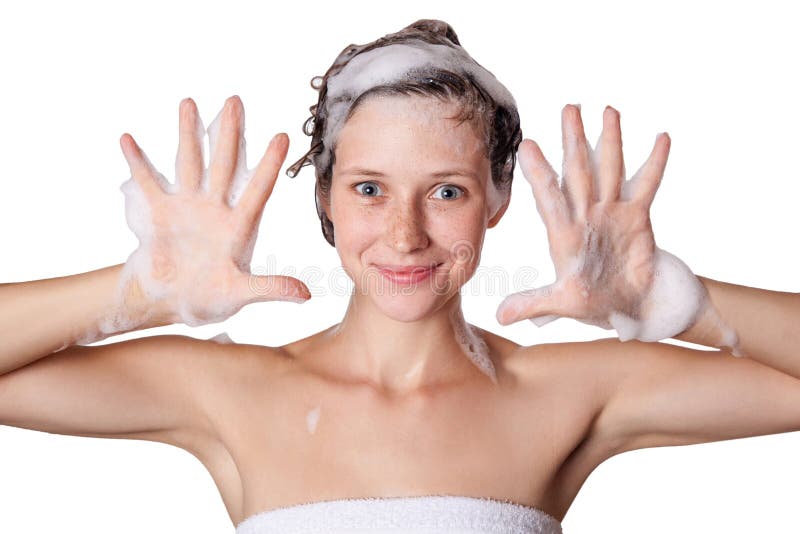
(498, 123)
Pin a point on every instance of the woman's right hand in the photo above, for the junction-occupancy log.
(196, 237)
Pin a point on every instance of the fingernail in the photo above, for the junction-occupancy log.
(299, 293)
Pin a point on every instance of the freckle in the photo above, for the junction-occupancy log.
(312, 418)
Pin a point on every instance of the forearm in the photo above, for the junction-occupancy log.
(40, 317)
(766, 322)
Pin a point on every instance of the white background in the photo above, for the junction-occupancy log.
(720, 78)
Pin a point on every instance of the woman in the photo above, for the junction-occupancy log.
(452, 426)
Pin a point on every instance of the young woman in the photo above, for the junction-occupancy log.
(402, 417)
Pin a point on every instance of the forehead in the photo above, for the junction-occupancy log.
(411, 129)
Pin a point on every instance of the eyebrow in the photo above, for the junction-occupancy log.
(363, 171)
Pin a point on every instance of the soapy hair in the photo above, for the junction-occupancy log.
(498, 122)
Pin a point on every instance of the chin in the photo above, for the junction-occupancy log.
(410, 303)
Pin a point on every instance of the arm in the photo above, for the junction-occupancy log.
(195, 243)
(156, 388)
(767, 323)
(652, 393)
(610, 273)
(192, 263)
(658, 394)
(40, 317)
(148, 388)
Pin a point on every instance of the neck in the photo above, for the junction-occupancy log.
(402, 356)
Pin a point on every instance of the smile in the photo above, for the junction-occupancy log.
(404, 275)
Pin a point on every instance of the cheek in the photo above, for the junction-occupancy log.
(460, 233)
(355, 228)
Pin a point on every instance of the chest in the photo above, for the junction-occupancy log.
(301, 443)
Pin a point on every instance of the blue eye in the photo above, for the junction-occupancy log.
(369, 189)
(451, 192)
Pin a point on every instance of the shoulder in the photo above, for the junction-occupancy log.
(210, 370)
(209, 355)
(620, 382)
(574, 357)
(591, 371)
(594, 358)
(231, 365)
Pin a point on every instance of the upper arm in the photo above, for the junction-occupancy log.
(664, 394)
(146, 388)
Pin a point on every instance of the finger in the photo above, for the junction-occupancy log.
(610, 157)
(260, 187)
(644, 184)
(225, 147)
(577, 175)
(260, 288)
(142, 171)
(550, 201)
(189, 162)
(542, 301)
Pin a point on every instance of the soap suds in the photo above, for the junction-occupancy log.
(172, 258)
(643, 293)
(472, 344)
(222, 338)
(388, 64)
(312, 418)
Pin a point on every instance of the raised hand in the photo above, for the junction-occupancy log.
(196, 236)
(609, 271)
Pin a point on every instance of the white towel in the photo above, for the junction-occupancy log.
(440, 514)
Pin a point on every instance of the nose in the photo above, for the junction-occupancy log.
(406, 228)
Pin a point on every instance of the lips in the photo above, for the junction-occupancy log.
(406, 274)
(406, 269)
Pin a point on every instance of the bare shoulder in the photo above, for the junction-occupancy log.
(208, 372)
(158, 388)
(581, 360)
(585, 373)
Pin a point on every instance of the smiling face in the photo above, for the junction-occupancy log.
(410, 188)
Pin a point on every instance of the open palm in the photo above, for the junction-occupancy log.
(197, 235)
(598, 228)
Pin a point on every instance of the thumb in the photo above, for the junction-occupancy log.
(541, 305)
(258, 288)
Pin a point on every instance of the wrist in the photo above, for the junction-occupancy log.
(709, 327)
(671, 303)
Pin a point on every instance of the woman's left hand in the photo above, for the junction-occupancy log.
(598, 227)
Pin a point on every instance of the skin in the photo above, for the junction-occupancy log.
(398, 409)
(401, 338)
(591, 197)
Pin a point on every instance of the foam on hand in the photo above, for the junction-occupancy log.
(674, 301)
(671, 305)
(156, 276)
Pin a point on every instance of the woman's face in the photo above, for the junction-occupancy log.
(410, 188)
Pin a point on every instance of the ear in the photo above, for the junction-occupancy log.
(500, 211)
